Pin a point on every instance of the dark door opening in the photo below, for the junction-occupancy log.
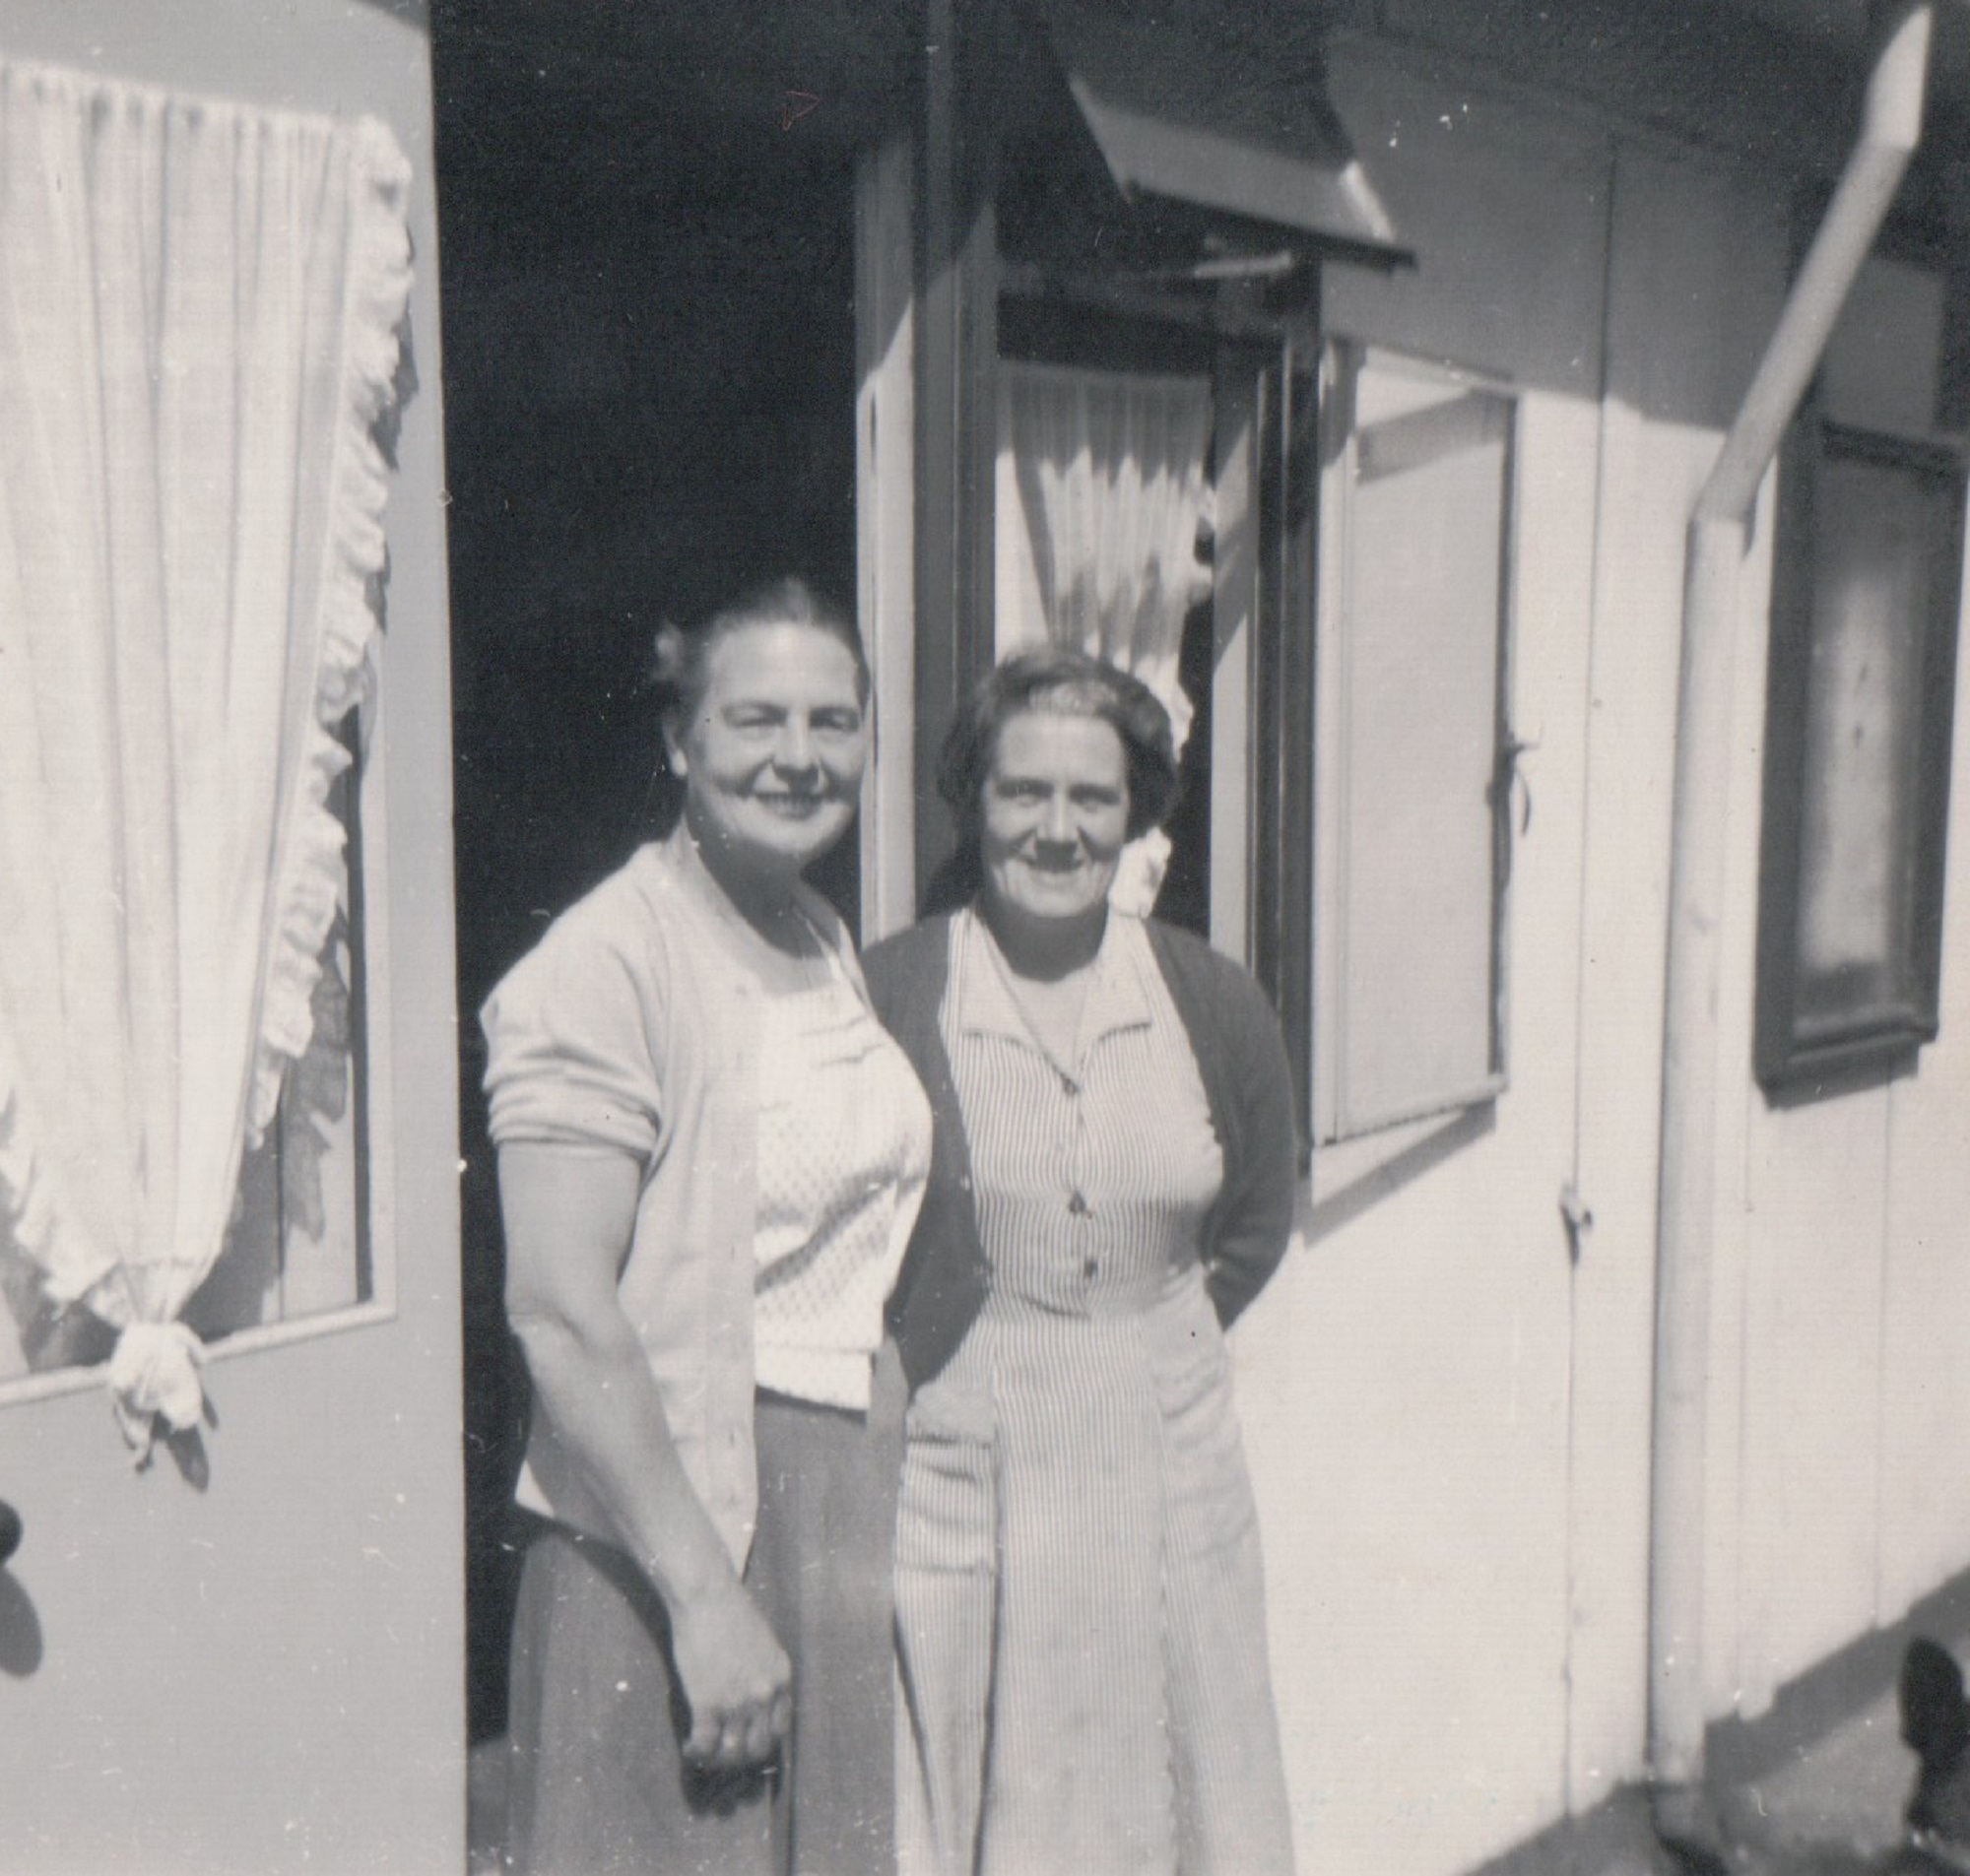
(649, 387)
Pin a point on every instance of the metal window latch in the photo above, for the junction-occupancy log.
(1578, 1217)
(1515, 780)
(1508, 788)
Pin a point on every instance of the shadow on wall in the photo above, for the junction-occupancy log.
(1334, 1210)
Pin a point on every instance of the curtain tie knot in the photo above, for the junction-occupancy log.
(154, 1378)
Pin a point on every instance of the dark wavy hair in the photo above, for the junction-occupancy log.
(679, 661)
(1052, 681)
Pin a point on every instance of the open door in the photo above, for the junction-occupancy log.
(253, 1660)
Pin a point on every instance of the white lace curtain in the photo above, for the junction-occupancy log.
(199, 310)
(1100, 495)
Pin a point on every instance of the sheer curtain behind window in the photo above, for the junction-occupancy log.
(1102, 493)
(199, 310)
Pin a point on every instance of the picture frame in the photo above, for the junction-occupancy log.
(1868, 566)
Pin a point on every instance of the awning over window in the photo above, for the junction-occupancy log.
(1233, 125)
(1330, 198)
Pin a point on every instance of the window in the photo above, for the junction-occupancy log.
(1414, 752)
(1103, 523)
(192, 571)
(1860, 685)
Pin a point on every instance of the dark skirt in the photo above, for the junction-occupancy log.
(597, 1780)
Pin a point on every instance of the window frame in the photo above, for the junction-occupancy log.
(989, 119)
(1796, 1048)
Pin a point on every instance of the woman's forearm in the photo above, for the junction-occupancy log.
(594, 1383)
(569, 1217)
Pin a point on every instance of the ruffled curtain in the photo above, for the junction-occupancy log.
(1102, 495)
(199, 315)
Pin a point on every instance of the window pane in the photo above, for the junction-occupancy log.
(1418, 668)
(1879, 531)
(1883, 364)
(1102, 503)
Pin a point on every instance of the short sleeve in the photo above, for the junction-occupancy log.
(574, 1034)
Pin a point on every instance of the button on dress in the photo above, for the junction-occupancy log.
(1079, 1586)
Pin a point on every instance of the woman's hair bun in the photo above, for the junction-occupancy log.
(670, 660)
(679, 653)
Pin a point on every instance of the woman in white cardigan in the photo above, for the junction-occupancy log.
(710, 1160)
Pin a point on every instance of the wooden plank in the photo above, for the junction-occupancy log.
(1234, 395)
(884, 524)
(956, 403)
(1925, 1514)
(1809, 1498)
(1283, 686)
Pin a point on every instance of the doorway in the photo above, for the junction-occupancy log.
(651, 380)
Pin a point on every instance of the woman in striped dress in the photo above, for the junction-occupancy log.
(1080, 1618)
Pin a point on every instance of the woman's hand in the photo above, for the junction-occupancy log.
(568, 1217)
(736, 1679)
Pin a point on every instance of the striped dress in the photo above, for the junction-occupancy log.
(1079, 1598)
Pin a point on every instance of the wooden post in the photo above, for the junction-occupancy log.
(1282, 902)
(957, 430)
(885, 525)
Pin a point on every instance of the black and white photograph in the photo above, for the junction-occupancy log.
(984, 937)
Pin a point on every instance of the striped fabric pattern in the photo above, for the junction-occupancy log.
(1079, 1593)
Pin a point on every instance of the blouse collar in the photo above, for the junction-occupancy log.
(1117, 998)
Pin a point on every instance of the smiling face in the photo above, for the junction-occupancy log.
(771, 760)
(1053, 815)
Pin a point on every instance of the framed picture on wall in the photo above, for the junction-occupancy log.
(1857, 776)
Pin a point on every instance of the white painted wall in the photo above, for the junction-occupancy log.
(1405, 1382)
(1449, 1428)
(1696, 274)
(1839, 1345)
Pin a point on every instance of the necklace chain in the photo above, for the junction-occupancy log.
(1005, 972)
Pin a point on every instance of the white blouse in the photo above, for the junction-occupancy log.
(843, 1154)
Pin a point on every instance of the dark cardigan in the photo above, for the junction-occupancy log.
(1241, 1060)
